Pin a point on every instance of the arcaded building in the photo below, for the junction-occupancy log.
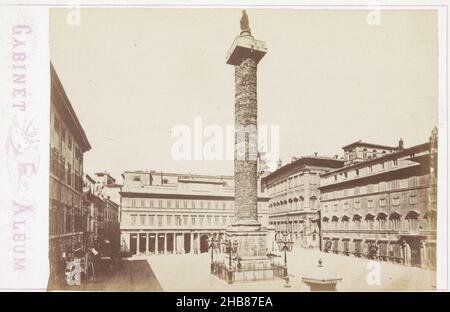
(294, 197)
(382, 203)
(177, 213)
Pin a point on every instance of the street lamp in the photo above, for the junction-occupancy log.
(285, 242)
(212, 244)
(230, 248)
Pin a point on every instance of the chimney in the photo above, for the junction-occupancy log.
(315, 154)
(400, 144)
(336, 156)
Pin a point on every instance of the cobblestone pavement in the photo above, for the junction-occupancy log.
(191, 272)
(127, 275)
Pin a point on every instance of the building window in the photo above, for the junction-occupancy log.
(357, 204)
(369, 221)
(224, 205)
(395, 162)
(178, 220)
(160, 204)
(142, 220)
(216, 220)
(224, 220)
(193, 220)
(395, 221)
(335, 245)
(412, 182)
(169, 203)
(357, 172)
(346, 246)
(382, 221)
(177, 204)
(151, 220)
(382, 202)
(63, 134)
(160, 220)
(412, 199)
(185, 219)
(185, 204)
(413, 221)
(358, 247)
(142, 202)
(201, 219)
(325, 222)
(345, 222)
(70, 142)
(335, 221)
(370, 203)
(133, 220)
(169, 220)
(133, 203)
(193, 204)
(395, 184)
(69, 174)
(395, 201)
(357, 222)
(383, 249)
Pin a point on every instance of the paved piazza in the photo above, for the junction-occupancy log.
(190, 272)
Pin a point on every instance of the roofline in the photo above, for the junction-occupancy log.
(408, 150)
(360, 142)
(161, 195)
(89, 178)
(305, 161)
(178, 174)
(84, 144)
(393, 174)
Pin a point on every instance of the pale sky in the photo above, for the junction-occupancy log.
(327, 80)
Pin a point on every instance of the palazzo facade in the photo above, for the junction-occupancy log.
(382, 203)
(294, 197)
(68, 143)
(177, 213)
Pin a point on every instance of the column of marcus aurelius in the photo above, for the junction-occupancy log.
(245, 54)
